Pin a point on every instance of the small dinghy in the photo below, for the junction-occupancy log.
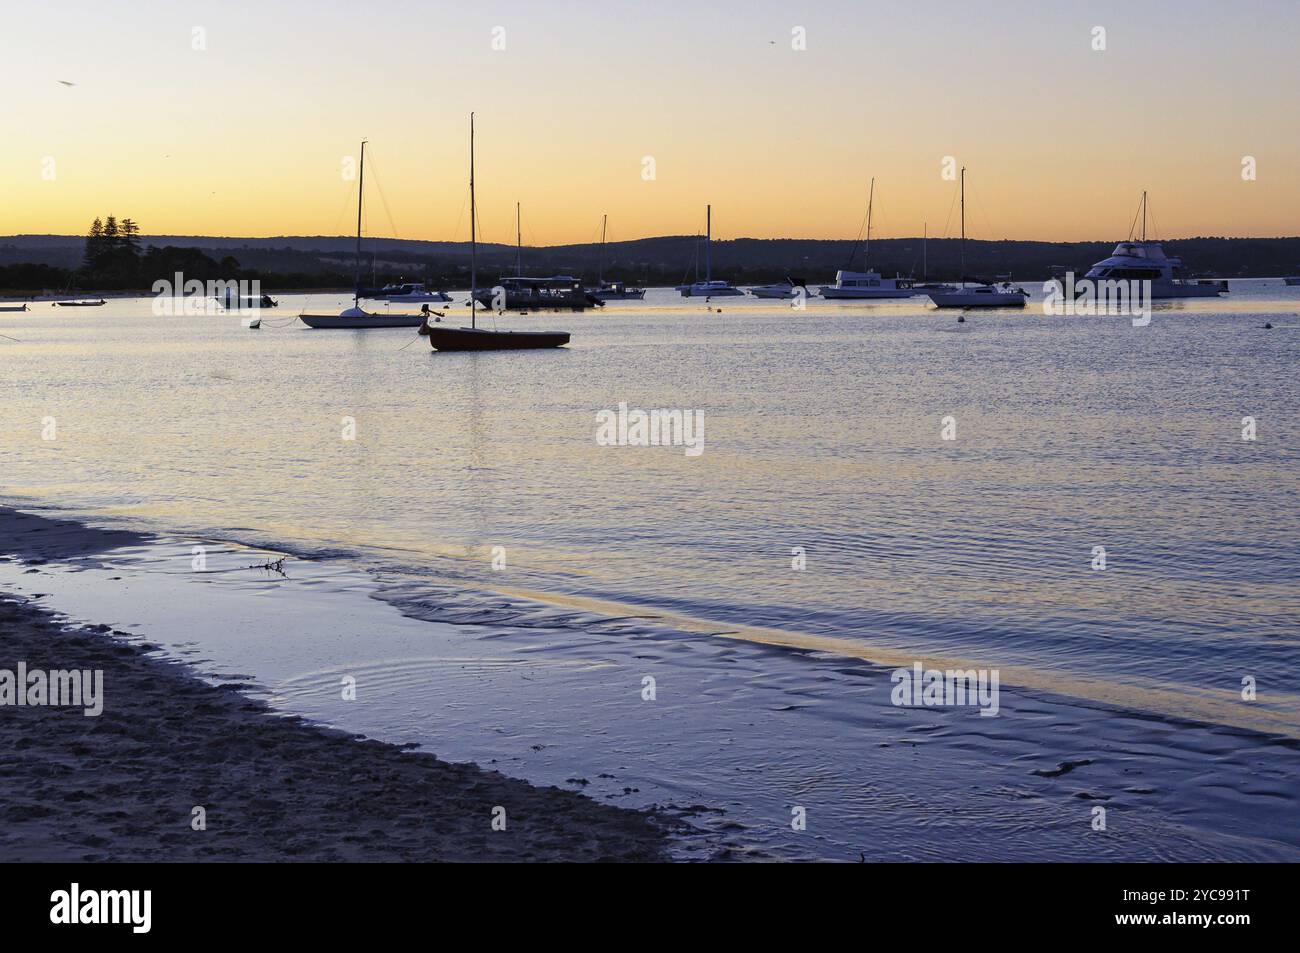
(80, 304)
(253, 323)
(13, 307)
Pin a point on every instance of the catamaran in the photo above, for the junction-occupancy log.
(926, 285)
(984, 294)
(708, 288)
(1146, 261)
(519, 293)
(474, 338)
(869, 283)
(611, 290)
(356, 317)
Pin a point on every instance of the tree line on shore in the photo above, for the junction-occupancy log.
(115, 259)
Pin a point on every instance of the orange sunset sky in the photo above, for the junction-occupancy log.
(235, 118)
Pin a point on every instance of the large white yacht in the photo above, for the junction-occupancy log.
(1145, 260)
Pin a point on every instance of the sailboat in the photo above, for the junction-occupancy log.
(708, 288)
(357, 317)
(869, 283)
(474, 338)
(926, 285)
(984, 294)
(611, 290)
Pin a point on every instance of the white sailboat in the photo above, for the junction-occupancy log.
(356, 317)
(867, 284)
(984, 294)
(611, 290)
(708, 288)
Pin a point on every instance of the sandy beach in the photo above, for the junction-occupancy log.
(123, 786)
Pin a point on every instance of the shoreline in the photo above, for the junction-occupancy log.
(123, 786)
(553, 697)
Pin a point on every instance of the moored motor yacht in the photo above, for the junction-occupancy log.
(408, 291)
(558, 292)
(869, 283)
(616, 291)
(1004, 295)
(1142, 260)
(781, 289)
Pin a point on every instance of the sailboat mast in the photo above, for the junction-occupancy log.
(866, 249)
(962, 276)
(708, 238)
(519, 245)
(925, 247)
(473, 232)
(361, 191)
(1144, 214)
(600, 270)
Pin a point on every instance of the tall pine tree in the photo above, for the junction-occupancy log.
(94, 244)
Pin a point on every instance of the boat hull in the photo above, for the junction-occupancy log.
(530, 302)
(420, 296)
(80, 304)
(1292, 281)
(19, 307)
(688, 291)
(483, 339)
(339, 322)
(1207, 290)
(618, 296)
(962, 299)
(859, 294)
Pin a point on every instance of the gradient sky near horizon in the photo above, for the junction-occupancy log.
(246, 137)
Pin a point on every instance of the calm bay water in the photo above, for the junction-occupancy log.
(822, 431)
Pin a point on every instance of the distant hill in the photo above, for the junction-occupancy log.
(671, 259)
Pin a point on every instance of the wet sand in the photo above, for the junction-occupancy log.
(123, 786)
